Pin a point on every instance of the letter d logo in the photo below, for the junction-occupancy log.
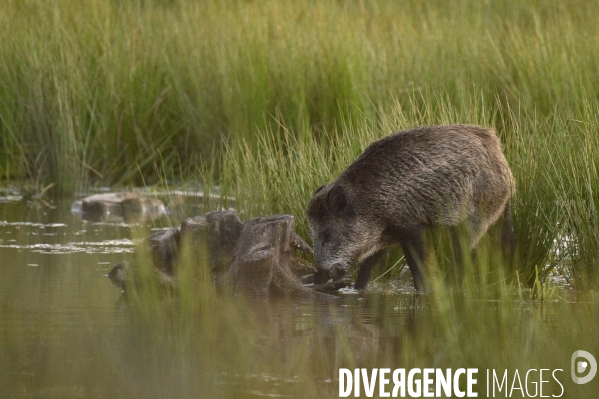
(582, 365)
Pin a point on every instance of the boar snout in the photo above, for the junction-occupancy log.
(321, 276)
(337, 272)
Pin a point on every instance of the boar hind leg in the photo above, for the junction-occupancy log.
(413, 248)
(508, 238)
(458, 251)
(462, 252)
(366, 268)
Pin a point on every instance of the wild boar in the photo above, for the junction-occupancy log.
(402, 185)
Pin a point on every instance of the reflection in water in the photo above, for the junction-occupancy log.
(56, 310)
(66, 331)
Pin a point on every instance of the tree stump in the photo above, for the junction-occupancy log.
(218, 231)
(164, 247)
(253, 259)
(264, 254)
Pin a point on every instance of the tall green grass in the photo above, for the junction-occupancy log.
(552, 160)
(277, 97)
(66, 334)
(192, 342)
(269, 100)
(95, 93)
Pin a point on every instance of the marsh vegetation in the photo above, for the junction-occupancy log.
(269, 100)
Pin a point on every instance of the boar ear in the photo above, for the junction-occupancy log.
(318, 190)
(337, 200)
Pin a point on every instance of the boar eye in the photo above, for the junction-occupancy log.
(326, 236)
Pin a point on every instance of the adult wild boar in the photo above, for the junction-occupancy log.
(403, 184)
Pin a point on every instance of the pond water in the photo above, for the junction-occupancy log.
(66, 331)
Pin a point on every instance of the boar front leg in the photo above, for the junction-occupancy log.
(366, 268)
(413, 248)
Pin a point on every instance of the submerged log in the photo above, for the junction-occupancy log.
(117, 207)
(123, 274)
(120, 274)
(332, 286)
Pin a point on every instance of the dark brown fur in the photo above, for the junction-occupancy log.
(403, 184)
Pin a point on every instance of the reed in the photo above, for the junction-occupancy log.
(269, 100)
(97, 93)
(551, 159)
